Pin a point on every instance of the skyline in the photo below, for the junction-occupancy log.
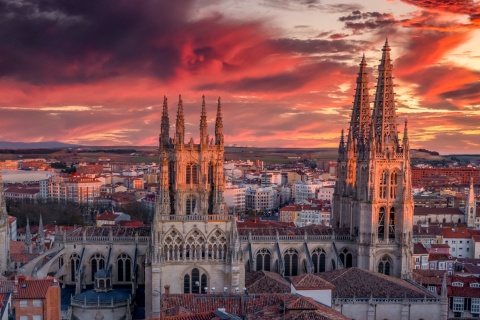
(285, 70)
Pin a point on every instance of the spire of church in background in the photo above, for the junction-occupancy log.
(40, 235)
(384, 115)
(219, 125)
(180, 124)
(203, 124)
(3, 205)
(165, 126)
(28, 237)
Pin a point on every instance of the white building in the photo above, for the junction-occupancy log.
(460, 242)
(234, 197)
(302, 191)
(325, 193)
(260, 199)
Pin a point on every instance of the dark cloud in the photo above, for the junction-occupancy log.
(359, 21)
(470, 91)
(343, 7)
(337, 36)
(63, 42)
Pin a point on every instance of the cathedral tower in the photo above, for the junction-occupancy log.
(471, 207)
(194, 240)
(382, 202)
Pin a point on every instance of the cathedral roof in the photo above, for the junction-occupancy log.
(117, 231)
(266, 282)
(283, 228)
(310, 282)
(424, 211)
(355, 282)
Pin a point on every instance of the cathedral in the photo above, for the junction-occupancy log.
(194, 245)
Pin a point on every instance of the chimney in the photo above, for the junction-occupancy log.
(167, 289)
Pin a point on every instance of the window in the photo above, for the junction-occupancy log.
(432, 289)
(97, 262)
(458, 304)
(457, 284)
(475, 305)
(23, 303)
(37, 317)
(381, 224)
(318, 258)
(383, 185)
(393, 185)
(385, 265)
(37, 303)
(291, 262)
(23, 317)
(346, 257)
(194, 283)
(391, 224)
(263, 260)
(124, 268)
(191, 174)
(417, 259)
(191, 204)
(474, 285)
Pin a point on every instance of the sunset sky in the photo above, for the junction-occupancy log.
(95, 72)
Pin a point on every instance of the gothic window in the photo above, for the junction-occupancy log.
(210, 173)
(381, 223)
(192, 174)
(217, 245)
(383, 185)
(171, 173)
(195, 282)
(74, 261)
(393, 185)
(263, 260)
(385, 265)
(195, 246)
(318, 258)
(190, 205)
(124, 268)
(173, 246)
(391, 224)
(290, 258)
(347, 258)
(97, 262)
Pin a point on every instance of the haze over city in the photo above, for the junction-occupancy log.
(95, 73)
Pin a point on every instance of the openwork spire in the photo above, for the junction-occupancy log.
(384, 115)
(165, 126)
(219, 125)
(341, 146)
(180, 125)
(28, 237)
(203, 123)
(361, 112)
(41, 235)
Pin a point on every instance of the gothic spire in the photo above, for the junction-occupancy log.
(41, 235)
(203, 123)
(180, 124)
(3, 205)
(406, 143)
(219, 125)
(361, 112)
(28, 237)
(341, 147)
(384, 115)
(471, 194)
(165, 126)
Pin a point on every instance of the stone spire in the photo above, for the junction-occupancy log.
(406, 141)
(384, 115)
(3, 205)
(165, 126)
(471, 206)
(219, 125)
(180, 124)
(203, 124)
(163, 199)
(361, 112)
(28, 237)
(41, 235)
(341, 147)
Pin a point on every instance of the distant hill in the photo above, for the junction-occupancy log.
(36, 145)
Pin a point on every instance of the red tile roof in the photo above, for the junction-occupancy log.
(418, 248)
(454, 233)
(28, 288)
(266, 282)
(424, 211)
(310, 282)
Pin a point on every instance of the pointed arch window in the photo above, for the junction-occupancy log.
(346, 257)
(97, 262)
(124, 268)
(393, 185)
(385, 265)
(291, 262)
(191, 174)
(263, 260)
(383, 185)
(171, 173)
(195, 282)
(318, 259)
(190, 204)
(391, 224)
(381, 223)
(210, 173)
(74, 261)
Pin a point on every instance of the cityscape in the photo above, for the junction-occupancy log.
(262, 188)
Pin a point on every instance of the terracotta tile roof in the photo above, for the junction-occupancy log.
(439, 245)
(459, 232)
(429, 277)
(266, 282)
(3, 301)
(108, 216)
(418, 248)
(476, 238)
(271, 228)
(362, 283)
(424, 211)
(105, 231)
(17, 247)
(310, 282)
(28, 288)
(431, 230)
(439, 256)
(466, 291)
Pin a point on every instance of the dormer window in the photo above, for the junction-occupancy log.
(474, 285)
(457, 284)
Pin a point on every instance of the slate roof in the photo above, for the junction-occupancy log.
(93, 296)
(355, 282)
